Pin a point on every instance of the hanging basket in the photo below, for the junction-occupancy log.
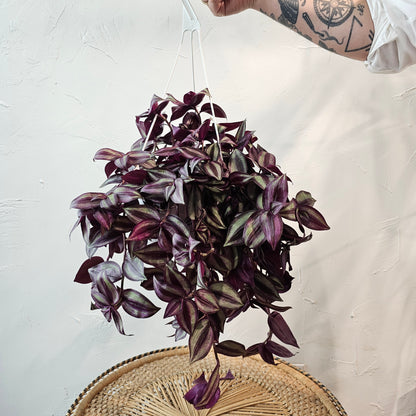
(154, 384)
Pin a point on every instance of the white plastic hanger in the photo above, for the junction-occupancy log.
(190, 23)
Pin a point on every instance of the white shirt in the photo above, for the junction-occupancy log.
(394, 43)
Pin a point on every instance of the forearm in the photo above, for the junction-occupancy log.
(341, 26)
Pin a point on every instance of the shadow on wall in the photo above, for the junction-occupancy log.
(406, 405)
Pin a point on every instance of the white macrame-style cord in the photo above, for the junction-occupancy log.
(191, 25)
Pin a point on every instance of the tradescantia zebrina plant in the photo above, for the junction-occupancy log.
(204, 219)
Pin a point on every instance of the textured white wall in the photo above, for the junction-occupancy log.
(72, 77)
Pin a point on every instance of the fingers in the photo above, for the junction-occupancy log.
(217, 7)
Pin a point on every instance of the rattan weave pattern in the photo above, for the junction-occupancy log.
(153, 384)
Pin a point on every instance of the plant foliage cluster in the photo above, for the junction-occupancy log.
(200, 214)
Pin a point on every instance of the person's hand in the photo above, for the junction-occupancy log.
(227, 7)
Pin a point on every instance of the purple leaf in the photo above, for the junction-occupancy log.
(177, 195)
(278, 350)
(226, 296)
(157, 190)
(135, 177)
(105, 218)
(115, 179)
(175, 225)
(137, 214)
(118, 322)
(289, 211)
(187, 315)
(153, 255)
(182, 249)
(109, 203)
(144, 229)
(253, 234)
(107, 288)
(212, 391)
(88, 200)
(172, 308)
(110, 167)
(266, 354)
(193, 99)
(137, 305)
(111, 269)
(311, 218)
(204, 395)
(166, 292)
(126, 193)
(280, 328)
(192, 153)
(191, 120)
(174, 278)
(108, 154)
(218, 111)
(238, 178)
(213, 169)
(178, 111)
(272, 226)
(82, 275)
(201, 340)
(276, 190)
(224, 127)
(230, 348)
(206, 301)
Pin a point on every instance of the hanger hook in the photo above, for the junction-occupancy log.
(190, 20)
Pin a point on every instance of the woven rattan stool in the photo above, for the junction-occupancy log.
(153, 384)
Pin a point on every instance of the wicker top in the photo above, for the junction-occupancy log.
(153, 384)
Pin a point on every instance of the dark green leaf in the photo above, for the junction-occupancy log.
(240, 132)
(305, 198)
(235, 230)
(214, 219)
(289, 211)
(237, 162)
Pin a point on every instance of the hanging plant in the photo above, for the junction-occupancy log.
(201, 215)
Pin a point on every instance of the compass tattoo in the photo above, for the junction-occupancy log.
(333, 12)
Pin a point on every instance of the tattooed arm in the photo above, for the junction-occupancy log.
(341, 26)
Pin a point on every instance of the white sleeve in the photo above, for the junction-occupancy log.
(394, 43)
